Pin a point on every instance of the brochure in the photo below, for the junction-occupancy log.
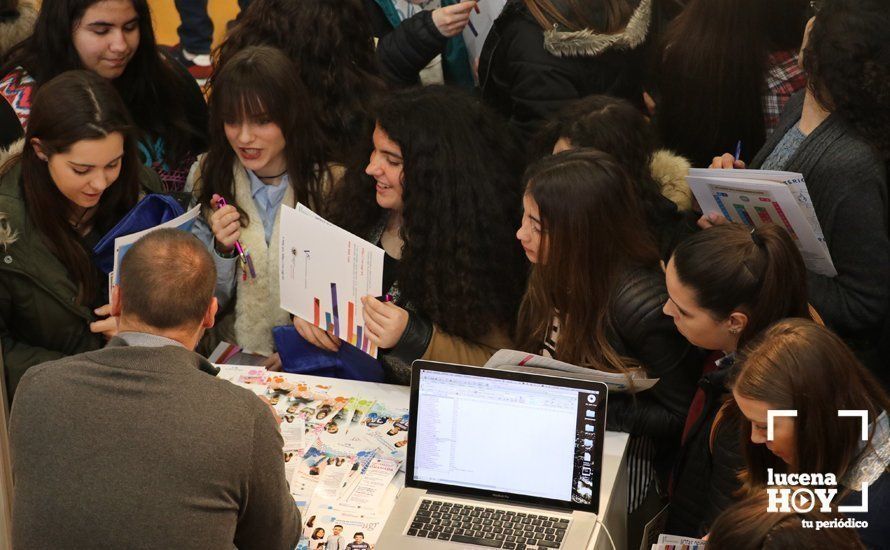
(755, 197)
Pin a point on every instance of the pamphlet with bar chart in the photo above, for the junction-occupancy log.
(325, 271)
(756, 197)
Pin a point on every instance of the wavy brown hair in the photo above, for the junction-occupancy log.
(76, 106)
(605, 16)
(260, 83)
(798, 364)
(593, 232)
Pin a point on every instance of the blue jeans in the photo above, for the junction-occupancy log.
(196, 30)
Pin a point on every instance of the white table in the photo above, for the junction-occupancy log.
(613, 480)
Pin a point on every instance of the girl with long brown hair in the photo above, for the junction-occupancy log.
(265, 150)
(77, 176)
(799, 365)
(594, 299)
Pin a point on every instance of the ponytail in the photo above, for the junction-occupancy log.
(781, 290)
(759, 272)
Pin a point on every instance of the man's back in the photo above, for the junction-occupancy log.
(136, 447)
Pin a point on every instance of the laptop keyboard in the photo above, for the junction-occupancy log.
(487, 527)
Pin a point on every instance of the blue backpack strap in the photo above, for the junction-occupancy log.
(17, 88)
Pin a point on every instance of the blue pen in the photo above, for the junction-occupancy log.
(738, 150)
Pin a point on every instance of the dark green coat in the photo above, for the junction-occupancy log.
(40, 319)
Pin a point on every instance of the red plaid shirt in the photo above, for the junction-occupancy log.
(783, 78)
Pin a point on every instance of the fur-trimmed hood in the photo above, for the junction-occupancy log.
(589, 43)
(670, 171)
(15, 30)
(8, 233)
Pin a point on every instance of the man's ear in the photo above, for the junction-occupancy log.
(38, 150)
(115, 300)
(210, 314)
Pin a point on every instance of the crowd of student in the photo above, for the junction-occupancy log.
(547, 213)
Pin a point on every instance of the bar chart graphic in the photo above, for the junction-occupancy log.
(354, 332)
(325, 282)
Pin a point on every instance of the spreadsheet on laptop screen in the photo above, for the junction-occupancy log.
(506, 436)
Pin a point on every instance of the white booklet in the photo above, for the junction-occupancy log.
(755, 197)
(325, 271)
(122, 244)
(521, 361)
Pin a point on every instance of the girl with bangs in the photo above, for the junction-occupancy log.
(265, 151)
(594, 299)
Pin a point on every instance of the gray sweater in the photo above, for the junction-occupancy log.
(140, 447)
(847, 181)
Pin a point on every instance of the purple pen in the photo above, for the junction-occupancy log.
(242, 253)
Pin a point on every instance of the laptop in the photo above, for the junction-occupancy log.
(499, 459)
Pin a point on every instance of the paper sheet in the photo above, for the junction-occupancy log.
(507, 359)
(324, 273)
(122, 244)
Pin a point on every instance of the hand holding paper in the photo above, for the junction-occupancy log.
(316, 336)
(107, 326)
(385, 322)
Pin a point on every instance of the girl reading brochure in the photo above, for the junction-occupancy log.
(77, 176)
(594, 299)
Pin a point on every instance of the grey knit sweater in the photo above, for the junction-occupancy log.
(139, 447)
(847, 181)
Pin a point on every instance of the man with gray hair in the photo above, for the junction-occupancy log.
(139, 445)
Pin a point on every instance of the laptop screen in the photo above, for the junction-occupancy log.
(515, 436)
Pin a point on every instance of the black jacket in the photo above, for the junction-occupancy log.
(847, 181)
(405, 50)
(528, 77)
(641, 330)
(704, 480)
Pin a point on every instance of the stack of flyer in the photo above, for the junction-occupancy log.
(341, 455)
(755, 197)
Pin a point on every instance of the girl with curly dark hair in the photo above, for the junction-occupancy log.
(114, 39)
(594, 299)
(837, 134)
(263, 153)
(332, 47)
(440, 194)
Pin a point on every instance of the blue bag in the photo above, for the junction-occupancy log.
(152, 210)
(299, 356)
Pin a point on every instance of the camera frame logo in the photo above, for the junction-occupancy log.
(812, 488)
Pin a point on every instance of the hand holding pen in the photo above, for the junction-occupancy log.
(727, 160)
(225, 222)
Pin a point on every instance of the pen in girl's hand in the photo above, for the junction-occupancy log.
(384, 298)
(738, 150)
